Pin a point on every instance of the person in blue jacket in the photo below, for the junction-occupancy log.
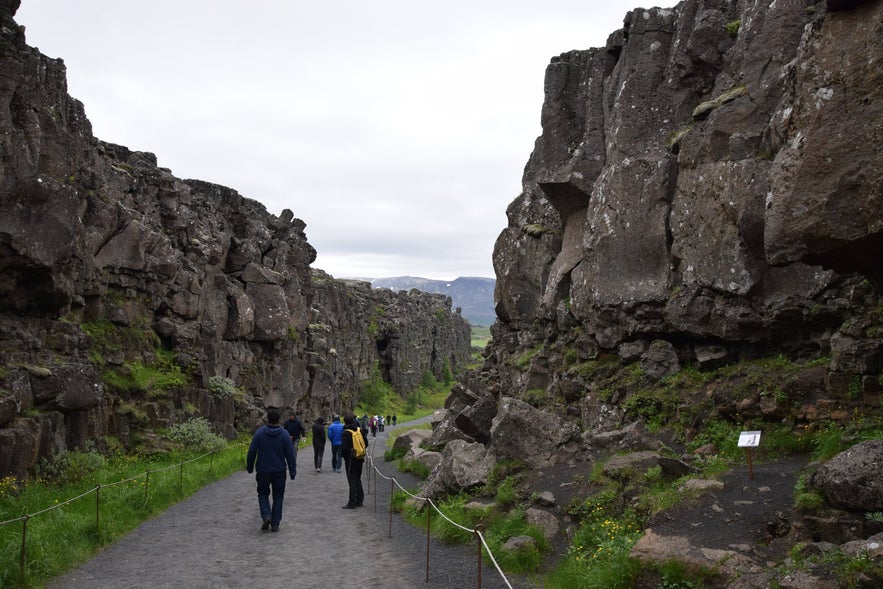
(269, 453)
(335, 436)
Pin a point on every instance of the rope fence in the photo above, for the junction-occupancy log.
(393, 482)
(97, 490)
(377, 473)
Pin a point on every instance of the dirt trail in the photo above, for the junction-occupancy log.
(213, 539)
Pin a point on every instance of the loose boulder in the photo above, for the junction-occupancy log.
(463, 466)
(851, 480)
(522, 432)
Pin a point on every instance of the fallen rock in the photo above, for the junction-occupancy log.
(660, 360)
(523, 432)
(700, 486)
(544, 520)
(632, 437)
(652, 548)
(405, 442)
(851, 480)
(517, 543)
(426, 458)
(546, 498)
(872, 548)
(463, 466)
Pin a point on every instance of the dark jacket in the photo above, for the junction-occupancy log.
(346, 448)
(295, 429)
(318, 434)
(270, 450)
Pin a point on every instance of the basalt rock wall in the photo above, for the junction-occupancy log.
(707, 191)
(713, 177)
(131, 299)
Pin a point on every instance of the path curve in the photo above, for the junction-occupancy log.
(213, 539)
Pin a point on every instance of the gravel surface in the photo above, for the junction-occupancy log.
(213, 539)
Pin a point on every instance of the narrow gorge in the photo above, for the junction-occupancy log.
(131, 299)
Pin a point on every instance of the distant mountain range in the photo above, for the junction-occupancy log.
(474, 296)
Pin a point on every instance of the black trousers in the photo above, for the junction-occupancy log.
(318, 452)
(354, 480)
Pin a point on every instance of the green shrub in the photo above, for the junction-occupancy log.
(375, 391)
(598, 555)
(506, 493)
(69, 467)
(415, 467)
(223, 388)
(828, 442)
(527, 558)
(196, 434)
(805, 497)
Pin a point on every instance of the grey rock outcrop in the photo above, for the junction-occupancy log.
(522, 432)
(464, 466)
(112, 266)
(851, 480)
(706, 190)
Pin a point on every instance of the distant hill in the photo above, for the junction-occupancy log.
(474, 296)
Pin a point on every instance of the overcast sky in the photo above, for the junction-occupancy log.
(397, 130)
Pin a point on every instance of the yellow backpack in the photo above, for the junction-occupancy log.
(358, 444)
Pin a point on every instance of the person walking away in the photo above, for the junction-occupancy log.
(353, 465)
(394, 419)
(269, 453)
(374, 426)
(335, 436)
(295, 429)
(363, 427)
(318, 442)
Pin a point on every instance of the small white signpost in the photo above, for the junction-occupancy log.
(749, 440)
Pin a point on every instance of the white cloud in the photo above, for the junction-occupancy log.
(398, 131)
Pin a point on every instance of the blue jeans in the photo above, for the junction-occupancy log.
(336, 458)
(276, 481)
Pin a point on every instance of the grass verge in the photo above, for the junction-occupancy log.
(65, 526)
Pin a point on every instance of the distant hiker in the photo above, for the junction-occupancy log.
(388, 420)
(353, 464)
(394, 418)
(318, 442)
(335, 435)
(374, 426)
(295, 429)
(270, 450)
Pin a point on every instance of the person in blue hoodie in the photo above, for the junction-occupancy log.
(335, 436)
(269, 453)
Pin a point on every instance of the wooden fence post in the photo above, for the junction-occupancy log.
(98, 510)
(24, 543)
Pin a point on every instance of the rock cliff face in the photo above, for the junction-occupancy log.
(132, 299)
(707, 189)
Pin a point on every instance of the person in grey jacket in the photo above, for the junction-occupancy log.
(270, 452)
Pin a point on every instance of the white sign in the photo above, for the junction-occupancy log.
(749, 439)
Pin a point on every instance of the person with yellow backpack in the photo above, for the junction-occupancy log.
(353, 449)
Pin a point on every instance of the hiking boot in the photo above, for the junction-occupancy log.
(265, 526)
(349, 506)
(274, 529)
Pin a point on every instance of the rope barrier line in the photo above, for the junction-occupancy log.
(104, 485)
(97, 490)
(493, 560)
(430, 502)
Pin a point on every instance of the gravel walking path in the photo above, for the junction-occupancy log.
(213, 539)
